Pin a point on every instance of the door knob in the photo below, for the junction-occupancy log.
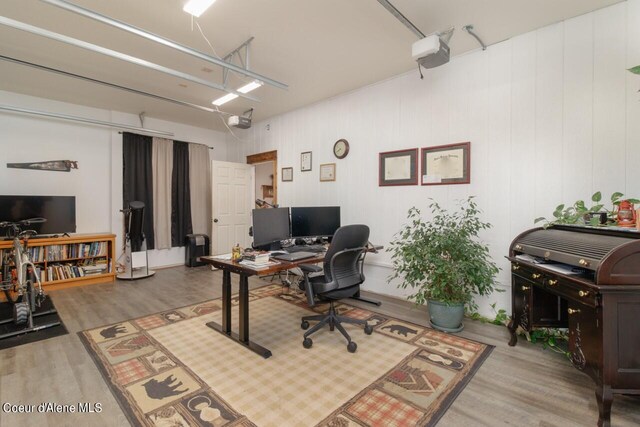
(215, 219)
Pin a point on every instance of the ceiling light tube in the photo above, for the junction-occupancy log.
(250, 86)
(224, 99)
(197, 7)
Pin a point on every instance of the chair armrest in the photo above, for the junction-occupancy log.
(310, 268)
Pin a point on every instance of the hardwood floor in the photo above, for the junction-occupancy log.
(521, 386)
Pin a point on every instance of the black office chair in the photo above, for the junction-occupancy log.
(343, 265)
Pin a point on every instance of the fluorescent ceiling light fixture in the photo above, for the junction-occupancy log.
(250, 86)
(223, 100)
(197, 7)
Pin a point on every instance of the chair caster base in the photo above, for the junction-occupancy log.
(352, 347)
(304, 325)
(368, 329)
(307, 343)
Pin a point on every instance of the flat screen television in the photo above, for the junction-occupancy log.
(318, 221)
(270, 226)
(60, 212)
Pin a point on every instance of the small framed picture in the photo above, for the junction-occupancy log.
(305, 161)
(398, 167)
(267, 191)
(328, 172)
(447, 164)
(287, 174)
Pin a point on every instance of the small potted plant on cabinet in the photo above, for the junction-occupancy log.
(444, 262)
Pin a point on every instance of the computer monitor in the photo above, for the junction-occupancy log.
(319, 221)
(270, 226)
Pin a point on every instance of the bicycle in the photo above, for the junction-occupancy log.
(20, 282)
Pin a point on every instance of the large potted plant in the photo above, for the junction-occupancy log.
(444, 262)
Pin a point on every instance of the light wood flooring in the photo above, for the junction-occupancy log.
(520, 386)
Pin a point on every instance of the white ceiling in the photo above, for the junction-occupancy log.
(320, 48)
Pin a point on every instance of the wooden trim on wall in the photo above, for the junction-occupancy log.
(267, 156)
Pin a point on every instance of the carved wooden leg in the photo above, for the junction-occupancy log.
(604, 397)
(513, 326)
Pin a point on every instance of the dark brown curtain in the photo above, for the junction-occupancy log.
(180, 195)
(138, 178)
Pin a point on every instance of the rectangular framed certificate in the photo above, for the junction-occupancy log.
(446, 164)
(328, 172)
(287, 174)
(398, 167)
(305, 161)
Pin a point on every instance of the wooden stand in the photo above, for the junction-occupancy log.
(51, 257)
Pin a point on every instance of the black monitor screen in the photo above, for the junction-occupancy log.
(270, 225)
(60, 212)
(321, 221)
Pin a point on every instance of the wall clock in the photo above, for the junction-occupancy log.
(341, 148)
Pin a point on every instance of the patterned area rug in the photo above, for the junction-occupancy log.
(170, 369)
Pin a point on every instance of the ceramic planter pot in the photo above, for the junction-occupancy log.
(446, 318)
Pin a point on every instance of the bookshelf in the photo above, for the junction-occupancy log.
(81, 259)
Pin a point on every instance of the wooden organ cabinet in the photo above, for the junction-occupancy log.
(587, 280)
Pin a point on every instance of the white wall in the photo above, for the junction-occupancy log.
(97, 184)
(552, 116)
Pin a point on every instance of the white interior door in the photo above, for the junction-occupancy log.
(232, 201)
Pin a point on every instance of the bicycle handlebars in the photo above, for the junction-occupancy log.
(14, 229)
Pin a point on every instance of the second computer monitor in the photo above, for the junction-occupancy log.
(320, 221)
(270, 226)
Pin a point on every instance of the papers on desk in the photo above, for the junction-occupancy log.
(530, 258)
(225, 257)
(563, 268)
(257, 265)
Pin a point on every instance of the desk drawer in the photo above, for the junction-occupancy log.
(556, 284)
(574, 292)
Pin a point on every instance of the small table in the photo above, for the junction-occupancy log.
(228, 267)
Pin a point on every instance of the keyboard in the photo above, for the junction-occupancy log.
(305, 248)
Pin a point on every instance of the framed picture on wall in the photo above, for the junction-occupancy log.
(398, 167)
(287, 174)
(267, 191)
(447, 164)
(328, 172)
(305, 161)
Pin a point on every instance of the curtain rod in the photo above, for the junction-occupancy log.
(195, 143)
(84, 120)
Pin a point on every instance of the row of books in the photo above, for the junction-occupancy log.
(71, 271)
(78, 250)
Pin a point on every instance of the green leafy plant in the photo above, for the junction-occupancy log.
(576, 213)
(550, 338)
(442, 259)
(501, 318)
(635, 70)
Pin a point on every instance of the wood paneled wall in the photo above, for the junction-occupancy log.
(552, 116)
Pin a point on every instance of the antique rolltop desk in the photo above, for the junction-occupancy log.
(585, 279)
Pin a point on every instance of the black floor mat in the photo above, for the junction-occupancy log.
(6, 312)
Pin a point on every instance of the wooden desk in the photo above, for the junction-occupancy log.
(228, 267)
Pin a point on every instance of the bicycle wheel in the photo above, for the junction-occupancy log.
(31, 295)
(20, 312)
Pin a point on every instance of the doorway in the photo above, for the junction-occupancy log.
(266, 176)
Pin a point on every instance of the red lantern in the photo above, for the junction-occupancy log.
(626, 214)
